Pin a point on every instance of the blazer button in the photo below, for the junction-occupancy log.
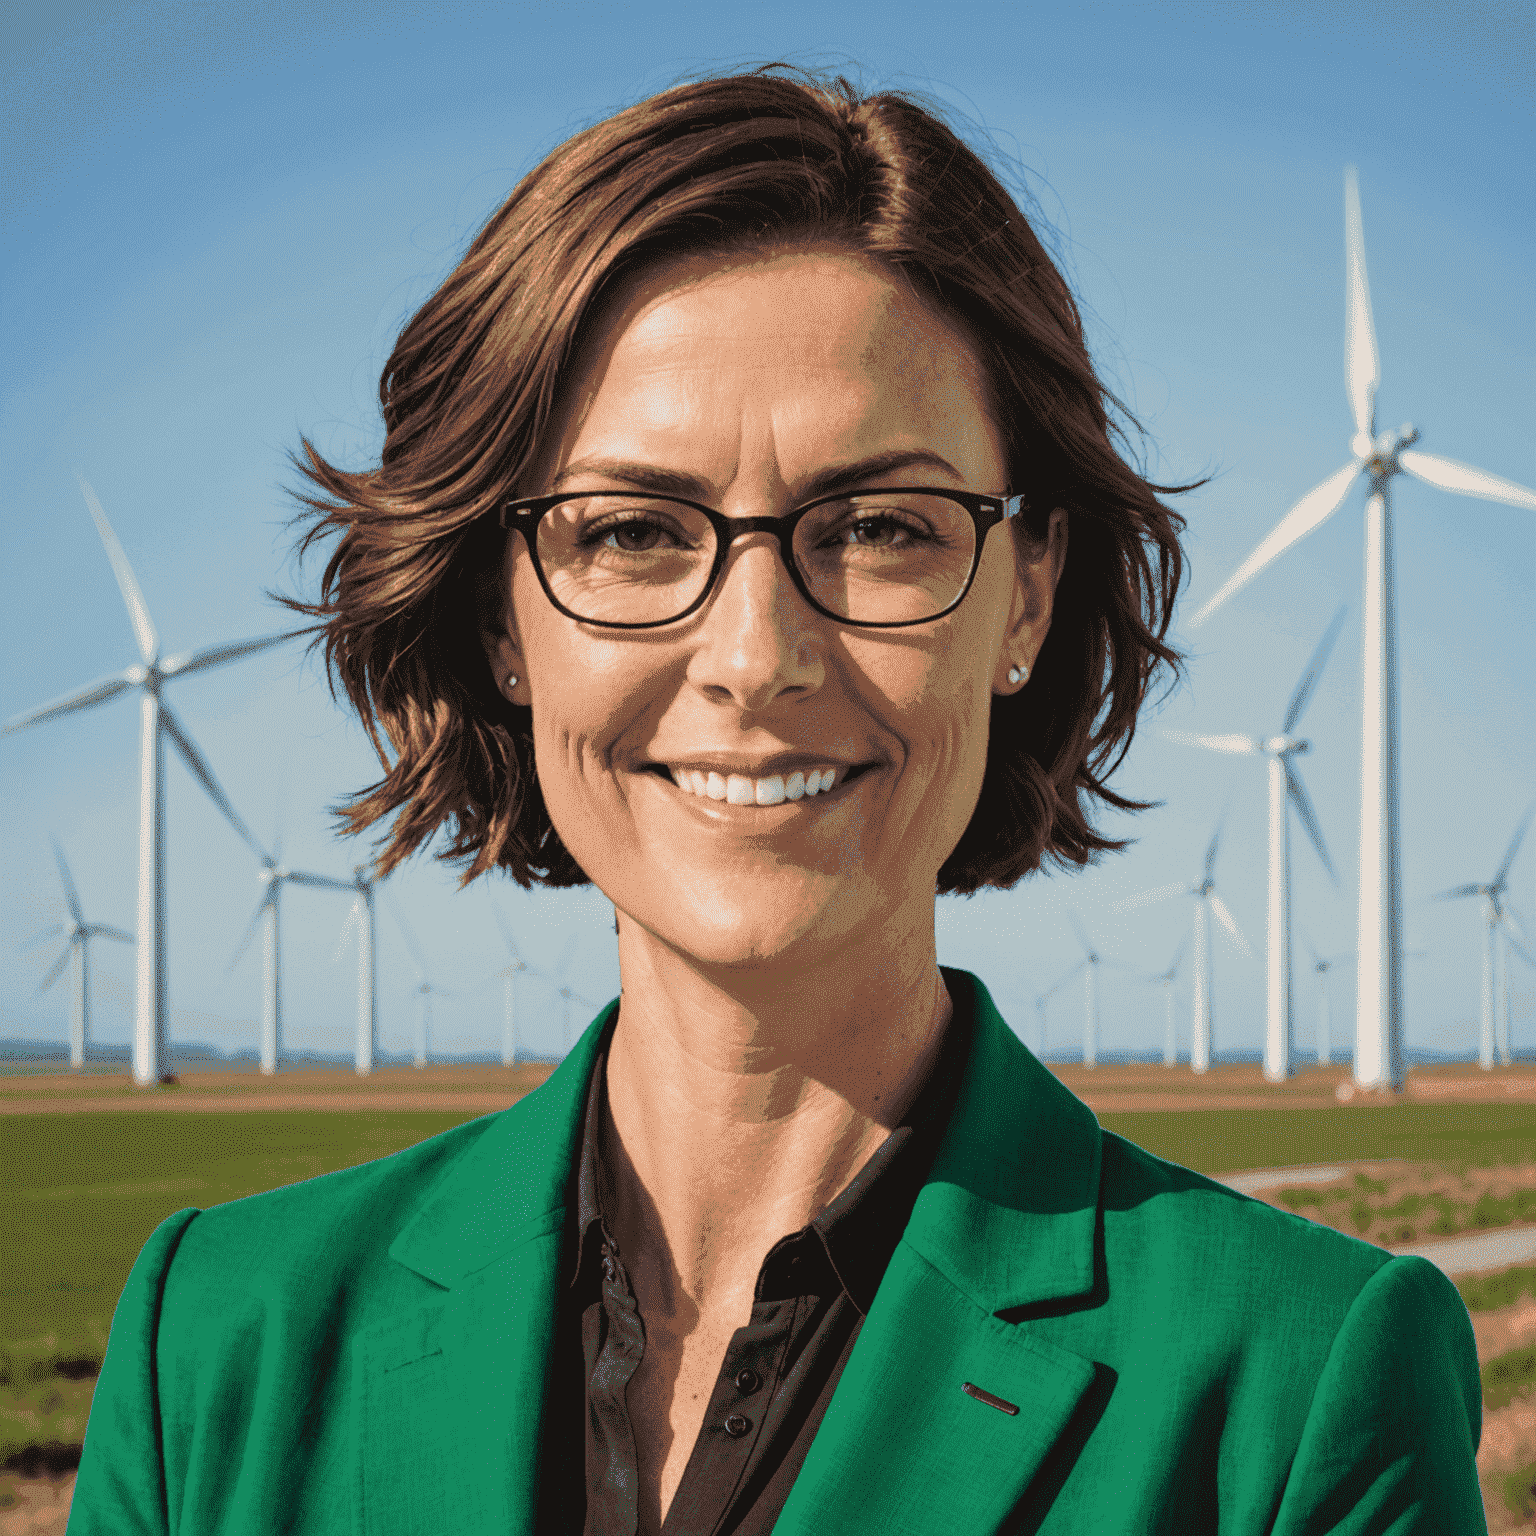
(736, 1426)
(747, 1382)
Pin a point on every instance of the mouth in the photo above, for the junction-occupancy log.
(799, 783)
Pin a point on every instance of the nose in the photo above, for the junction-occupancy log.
(758, 640)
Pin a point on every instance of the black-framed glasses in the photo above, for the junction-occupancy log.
(878, 559)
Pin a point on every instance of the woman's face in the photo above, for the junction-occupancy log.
(742, 380)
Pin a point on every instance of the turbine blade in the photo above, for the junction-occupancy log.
(204, 775)
(250, 930)
(1522, 951)
(1178, 957)
(321, 882)
(352, 921)
(1315, 508)
(1462, 478)
(1227, 921)
(1456, 892)
(1160, 893)
(1512, 924)
(1362, 367)
(1303, 803)
(506, 929)
(565, 957)
(1246, 746)
(99, 692)
(1210, 852)
(1079, 930)
(127, 582)
(1317, 959)
(71, 895)
(1082, 965)
(1514, 848)
(1303, 694)
(107, 931)
(217, 655)
(412, 947)
(55, 970)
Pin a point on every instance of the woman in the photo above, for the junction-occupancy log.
(749, 540)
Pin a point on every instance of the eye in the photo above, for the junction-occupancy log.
(633, 533)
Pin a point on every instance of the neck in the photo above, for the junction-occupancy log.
(741, 1103)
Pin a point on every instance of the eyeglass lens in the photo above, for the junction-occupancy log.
(883, 557)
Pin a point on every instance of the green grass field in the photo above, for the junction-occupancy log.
(84, 1191)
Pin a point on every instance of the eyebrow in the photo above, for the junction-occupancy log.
(825, 482)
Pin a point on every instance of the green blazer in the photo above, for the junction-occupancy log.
(366, 1352)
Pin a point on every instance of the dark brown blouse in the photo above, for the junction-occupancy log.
(779, 1372)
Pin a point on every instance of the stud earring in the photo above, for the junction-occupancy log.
(511, 681)
(1018, 675)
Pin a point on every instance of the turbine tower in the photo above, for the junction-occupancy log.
(1494, 1017)
(1380, 457)
(1166, 979)
(509, 975)
(1321, 965)
(157, 721)
(425, 988)
(77, 935)
(1089, 966)
(1206, 901)
(274, 875)
(1284, 785)
(361, 916)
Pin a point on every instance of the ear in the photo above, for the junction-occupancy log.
(498, 632)
(1037, 570)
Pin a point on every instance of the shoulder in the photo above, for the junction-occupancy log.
(1253, 1270)
(329, 1225)
(1172, 1219)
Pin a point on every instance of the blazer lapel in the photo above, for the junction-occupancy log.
(1006, 1220)
(449, 1397)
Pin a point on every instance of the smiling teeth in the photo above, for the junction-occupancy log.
(738, 789)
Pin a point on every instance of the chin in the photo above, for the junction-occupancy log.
(750, 923)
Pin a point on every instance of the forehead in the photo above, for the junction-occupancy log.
(812, 344)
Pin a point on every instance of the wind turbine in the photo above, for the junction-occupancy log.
(77, 935)
(509, 975)
(1089, 966)
(1494, 1019)
(425, 988)
(1206, 901)
(566, 995)
(1284, 784)
(274, 875)
(1042, 1003)
(1322, 965)
(1165, 979)
(362, 916)
(1380, 457)
(157, 721)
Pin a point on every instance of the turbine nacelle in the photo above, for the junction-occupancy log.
(1284, 746)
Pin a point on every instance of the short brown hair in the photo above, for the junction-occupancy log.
(768, 158)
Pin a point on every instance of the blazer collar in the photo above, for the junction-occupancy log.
(517, 1175)
(1010, 1206)
(1007, 1212)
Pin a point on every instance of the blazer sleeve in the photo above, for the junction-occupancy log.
(1390, 1441)
(120, 1488)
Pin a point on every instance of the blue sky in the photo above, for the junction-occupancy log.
(219, 216)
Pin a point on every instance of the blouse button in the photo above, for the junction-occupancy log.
(609, 1271)
(736, 1426)
(747, 1382)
